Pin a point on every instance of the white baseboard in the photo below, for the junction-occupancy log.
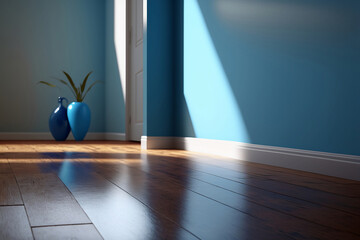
(332, 164)
(158, 142)
(115, 136)
(48, 136)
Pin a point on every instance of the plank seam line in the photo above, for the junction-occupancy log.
(59, 225)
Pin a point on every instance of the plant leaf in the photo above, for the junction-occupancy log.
(83, 84)
(71, 82)
(47, 83)
(90, 88)
(65, 83)
(62, 81)
(79, 94)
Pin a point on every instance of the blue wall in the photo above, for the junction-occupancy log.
(41, 38)
(159, 69)
(271, 72)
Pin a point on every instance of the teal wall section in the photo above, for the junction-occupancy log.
(159, 69)
(183, 122)
(38, 39)
(114, 98)
(271, 72)
(41, 38)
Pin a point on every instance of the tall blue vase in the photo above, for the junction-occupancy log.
(79, 118)
(58, 122)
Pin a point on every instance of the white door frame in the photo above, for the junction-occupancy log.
(128, 68)
(128, 73)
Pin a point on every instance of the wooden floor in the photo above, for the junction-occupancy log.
(113, 190)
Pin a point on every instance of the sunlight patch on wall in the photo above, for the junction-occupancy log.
(144, 15)
(120, 40)
(213, 109)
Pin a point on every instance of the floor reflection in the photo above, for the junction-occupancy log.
(115, 213)
(132, 194)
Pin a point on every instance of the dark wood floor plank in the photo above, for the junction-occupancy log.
(219, 188)
(29, 166)
(4, 166)
(325, 229)
(329, 187)
(289, 205)
(9, 191)
(350, 205)
(340, 186)
(273, 173)
(115, 213)
(69, 232)
(14, 224)
(295, 207)
(285, 222)
(236, 164)
(202, 216)
(48, 202)
(282, 203)
(308, 175)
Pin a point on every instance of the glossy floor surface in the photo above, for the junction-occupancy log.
(113, 190)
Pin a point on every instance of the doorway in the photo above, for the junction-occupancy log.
(134, 89)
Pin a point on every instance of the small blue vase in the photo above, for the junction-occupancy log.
(79, 118)
(58, 122)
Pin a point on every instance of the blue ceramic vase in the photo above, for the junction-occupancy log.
(79, 118)
(58, 122)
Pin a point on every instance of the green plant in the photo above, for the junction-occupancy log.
(78, 92)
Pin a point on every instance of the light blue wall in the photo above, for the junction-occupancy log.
(38, 39)
(114, 98)
(271, 72)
